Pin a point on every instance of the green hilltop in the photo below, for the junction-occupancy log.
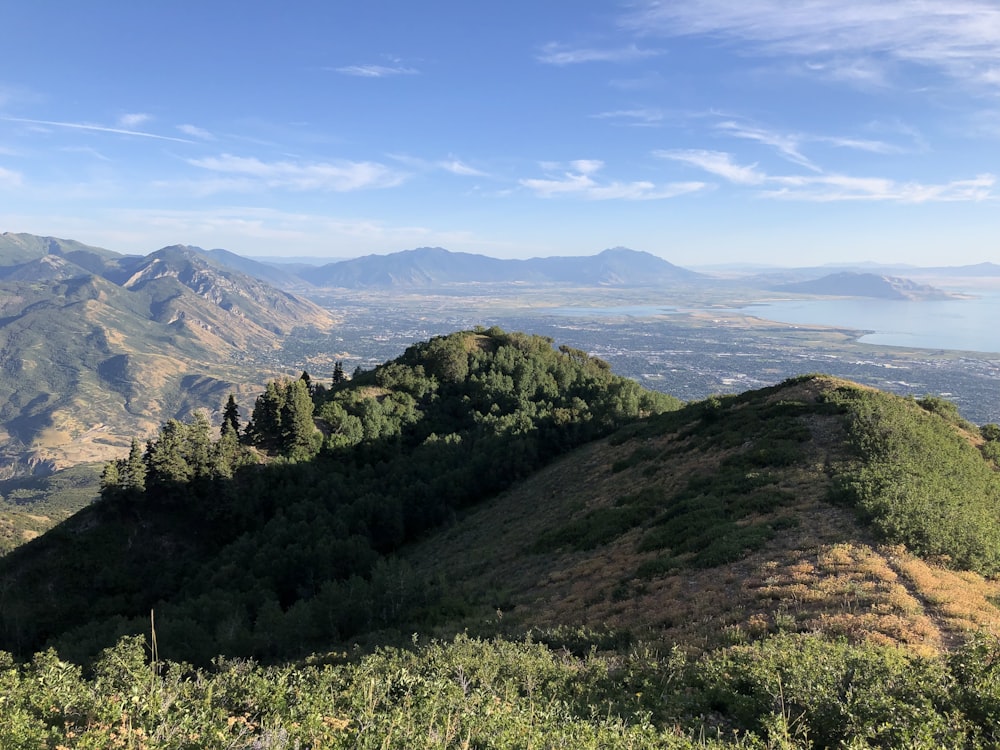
(494, 542)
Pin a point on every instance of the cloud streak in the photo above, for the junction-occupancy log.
(634, 117)
(96, 128)
(248, 173)
(829, 188)
(555, 53)
(579, 182)
(960, 38)
(376, 71)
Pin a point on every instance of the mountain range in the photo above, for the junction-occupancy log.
(431, 266)
(96, 346)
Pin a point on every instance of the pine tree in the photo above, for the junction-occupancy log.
(338, 373)
(198, 446)
(264, 427)
(166, 463)
(231, 414)
(110, 479)
(133, 470)
(297, 426)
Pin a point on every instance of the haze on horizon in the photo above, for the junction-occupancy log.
(766, 131)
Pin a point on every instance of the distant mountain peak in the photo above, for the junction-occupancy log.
(856, 284)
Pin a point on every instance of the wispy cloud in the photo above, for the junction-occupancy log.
(790, 145)
(376, 71)
(195, 132)
(635, 117)
(718, 163)
(133, 120)
(960, 38)
(834, 187)
(248, 173)
(451, 165)
(579, 182)
(787, 145)
(861, 144)
(9, 178)
(555, 53)
(460, 168)
(95, 128)
(827, 188)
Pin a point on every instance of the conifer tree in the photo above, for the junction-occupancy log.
(133, 473)
(197, 446)
(297, 427)
(231, 414)
(166, 463)
(338, 373)
(264, 427)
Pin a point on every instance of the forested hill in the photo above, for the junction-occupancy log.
(272, 540)
(808, 565)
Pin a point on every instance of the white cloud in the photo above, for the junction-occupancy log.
(587, 166)
(827, 188)
(718, 163)
(457, 167)
(376, 71)
(133, 120)
(582, 184)
(861, 144)
(554, 53)
(960, 38)
(831, 188)
(248, 173)
(195, 132)
(637, 117)
(451, 164)
(9, 178)
(787, 145)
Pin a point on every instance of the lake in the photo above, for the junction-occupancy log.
(959, 324)
(966, 325)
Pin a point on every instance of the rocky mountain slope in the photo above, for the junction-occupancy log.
(96, 348)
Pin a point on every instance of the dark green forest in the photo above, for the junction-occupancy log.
(275, 539)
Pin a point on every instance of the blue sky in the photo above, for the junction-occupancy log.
(705, 132)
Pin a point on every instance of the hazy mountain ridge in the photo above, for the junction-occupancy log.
(853, 284)
(431, 266)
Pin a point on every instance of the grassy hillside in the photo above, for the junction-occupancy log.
(739, 517)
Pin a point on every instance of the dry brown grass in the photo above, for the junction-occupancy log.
(826, 574)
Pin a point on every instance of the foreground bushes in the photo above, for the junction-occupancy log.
(791, 691)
